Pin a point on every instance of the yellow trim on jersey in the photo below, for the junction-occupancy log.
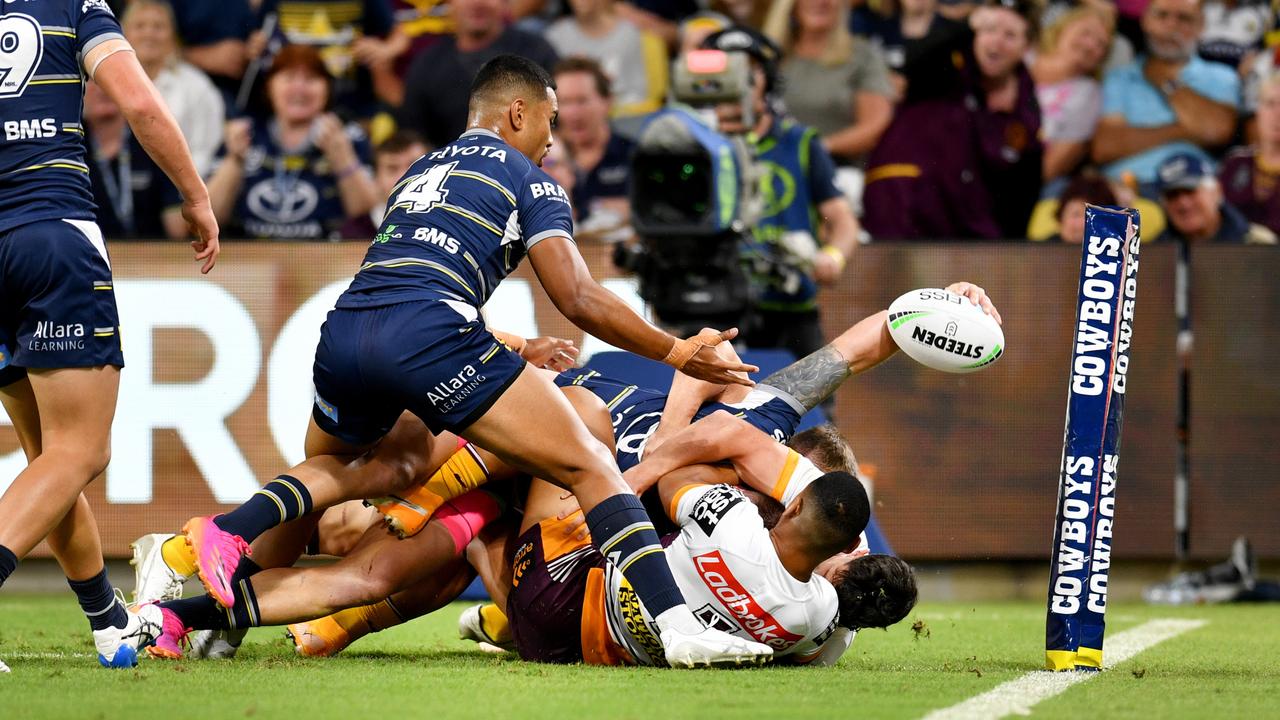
(784, 478)
(463, 212)
(673, 509)
(489, 355)
(621, 396)
(44, 166)
(425, 263)
(59, 33)
(107, 333)
(60, 81)
(487, 181)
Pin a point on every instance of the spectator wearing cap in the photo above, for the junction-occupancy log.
(391, 160)
(597, 31)
(602, 157)
(1192, 201)
(807, 231)
(1066, 73)
(1250, 176)
(1167, 102)
(300, 173)
(438, 84)
(1081, 190)
(189, 94)
(963, 160)
(696, 28)
(832, 81)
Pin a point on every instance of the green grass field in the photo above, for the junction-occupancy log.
(1228, 668)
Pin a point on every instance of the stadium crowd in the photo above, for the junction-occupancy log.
(945, 119)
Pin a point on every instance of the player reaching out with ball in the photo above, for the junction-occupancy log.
(60, 353)
(407, 335)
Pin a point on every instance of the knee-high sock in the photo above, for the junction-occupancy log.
(278, 502)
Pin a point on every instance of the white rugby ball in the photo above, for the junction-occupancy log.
(945, 331)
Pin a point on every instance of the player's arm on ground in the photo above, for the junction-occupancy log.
(826, 654)
(114, 67)
(568, 282)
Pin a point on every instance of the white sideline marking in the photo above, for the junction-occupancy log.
(1017, 696)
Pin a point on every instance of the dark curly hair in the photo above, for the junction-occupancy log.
(875, 591)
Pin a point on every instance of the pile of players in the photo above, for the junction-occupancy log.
(764, 562)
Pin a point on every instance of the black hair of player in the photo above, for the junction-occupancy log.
(510, 76)
(398, 142)
(875, 591)
(838, 504)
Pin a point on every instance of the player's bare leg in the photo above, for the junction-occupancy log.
(335, 471)
(557, 446)
(63, 420)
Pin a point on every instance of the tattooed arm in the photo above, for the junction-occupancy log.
(814, 378)
(858, 349)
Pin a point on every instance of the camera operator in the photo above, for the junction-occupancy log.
(807, 231)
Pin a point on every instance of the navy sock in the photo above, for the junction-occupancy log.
(280, 501)
(8, 563)
(98, 601)
(204, 613)
(199, 613)
(245, 613)
(623, 533)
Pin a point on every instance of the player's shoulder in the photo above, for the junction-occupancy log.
(721, 511)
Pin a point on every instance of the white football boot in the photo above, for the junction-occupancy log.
(215, 644)
(712, 648)
(471, 627)
(119, 647)
(153, 580)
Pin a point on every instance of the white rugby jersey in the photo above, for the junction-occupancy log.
(732, 579)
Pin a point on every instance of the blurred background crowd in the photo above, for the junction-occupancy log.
(943, 119)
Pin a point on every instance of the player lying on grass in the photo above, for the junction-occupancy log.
(812, 379)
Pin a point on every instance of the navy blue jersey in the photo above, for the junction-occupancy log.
(292, 194)
(457, 223)
(43, 171)
(635, 411)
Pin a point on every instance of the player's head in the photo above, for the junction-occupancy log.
(764, 55)
(825, 447)
(874, 591)
(393, 157)
(830, 514)
(515, 97)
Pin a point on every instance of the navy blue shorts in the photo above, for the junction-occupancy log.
(423, 356)
(57, 303)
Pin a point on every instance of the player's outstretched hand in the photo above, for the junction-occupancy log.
(199, 217)
(551, 353)
(697, 358)
(977, 296)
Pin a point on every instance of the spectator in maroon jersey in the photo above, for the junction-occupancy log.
(1250, 176)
